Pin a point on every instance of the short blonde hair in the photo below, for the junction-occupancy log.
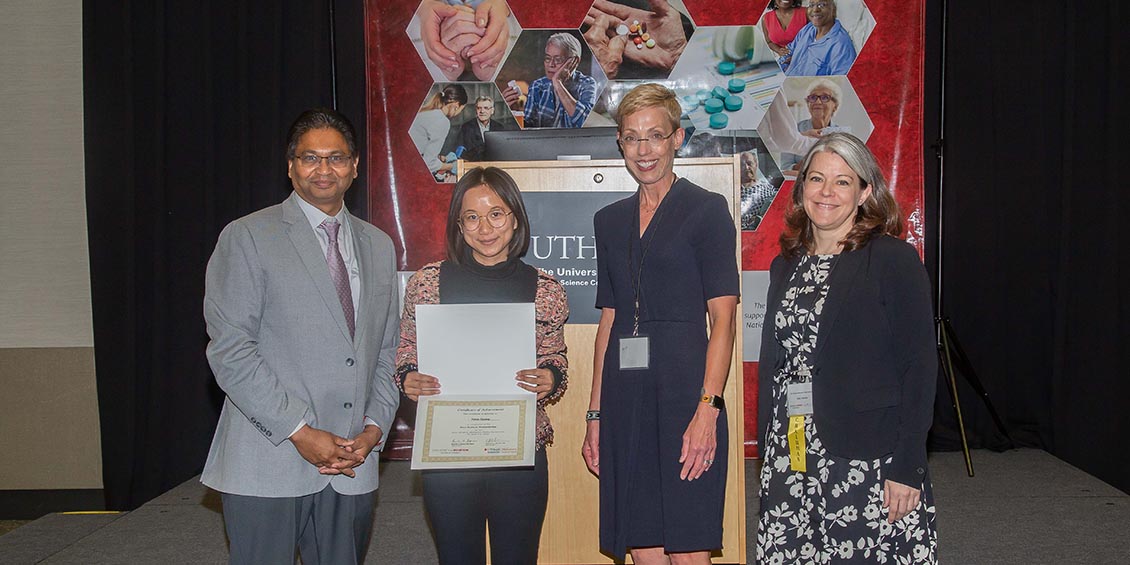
(646, 96)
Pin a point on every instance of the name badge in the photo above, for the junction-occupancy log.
(800, 399)
(634, 352)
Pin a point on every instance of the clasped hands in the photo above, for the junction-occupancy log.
(332, 454)
(454, 36)
(664, 24)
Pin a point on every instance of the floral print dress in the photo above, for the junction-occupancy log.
(834, 512)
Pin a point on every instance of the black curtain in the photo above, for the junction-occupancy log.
(187, 105)
(1035, 278)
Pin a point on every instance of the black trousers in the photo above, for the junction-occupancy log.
(461, 503)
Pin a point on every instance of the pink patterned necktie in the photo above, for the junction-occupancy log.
(338, 273)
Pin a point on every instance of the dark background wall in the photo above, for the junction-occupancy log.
(187, 106)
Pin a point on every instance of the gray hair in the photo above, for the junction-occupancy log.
(484, 99)
(566, 42)
(827, 85)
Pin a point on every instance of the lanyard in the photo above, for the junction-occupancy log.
(637, 276)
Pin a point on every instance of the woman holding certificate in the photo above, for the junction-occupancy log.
(666, 262)
(488, 233)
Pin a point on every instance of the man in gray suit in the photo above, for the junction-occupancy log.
(301, 307)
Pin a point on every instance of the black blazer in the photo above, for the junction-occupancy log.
(875, 366)
(471, 138)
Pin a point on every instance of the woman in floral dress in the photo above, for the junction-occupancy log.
(847, 374)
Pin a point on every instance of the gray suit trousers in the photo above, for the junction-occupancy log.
(327, 528)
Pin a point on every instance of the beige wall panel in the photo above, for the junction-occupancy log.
(49, 420)
(44, 264)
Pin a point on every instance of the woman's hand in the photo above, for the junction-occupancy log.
(699, 442)
(432, 14)
(418, 384)
(590, 450)
(535, 380)
(491, 16)
(899, 500)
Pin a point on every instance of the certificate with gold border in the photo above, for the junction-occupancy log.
(458, 432)
(482, 418)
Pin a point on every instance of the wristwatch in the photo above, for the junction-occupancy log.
(712, 400)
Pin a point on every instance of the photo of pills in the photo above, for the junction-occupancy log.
(637, 34)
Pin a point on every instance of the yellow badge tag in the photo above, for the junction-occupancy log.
(796, 443)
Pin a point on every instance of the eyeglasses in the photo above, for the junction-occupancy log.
(819, 98)
(496, 218)
(816, 6)
(310, 160)
(654, 139)
(555, 61)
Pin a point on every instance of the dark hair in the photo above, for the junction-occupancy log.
(318, 118)
(878, 215)
(446, 95)
(504, 186)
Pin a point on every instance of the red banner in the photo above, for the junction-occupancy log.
(419, 102)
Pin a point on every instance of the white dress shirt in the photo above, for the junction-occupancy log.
(348, 255)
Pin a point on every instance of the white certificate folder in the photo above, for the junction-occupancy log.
(481, 418)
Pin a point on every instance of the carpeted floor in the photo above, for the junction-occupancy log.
(1023, 507)
(9, 525)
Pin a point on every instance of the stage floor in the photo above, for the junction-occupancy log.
(1024, 507)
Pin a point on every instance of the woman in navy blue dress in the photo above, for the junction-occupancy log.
(666, 263)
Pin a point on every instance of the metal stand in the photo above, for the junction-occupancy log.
(949, 349)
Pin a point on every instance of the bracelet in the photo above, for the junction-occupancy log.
(592, 415)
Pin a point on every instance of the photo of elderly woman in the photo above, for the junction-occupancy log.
(637, 39)
(829, 42)
(550, 80)
(463, 39)
(816, 106)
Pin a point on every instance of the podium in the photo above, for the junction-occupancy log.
(570, 534)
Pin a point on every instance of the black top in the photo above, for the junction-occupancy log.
(875, 363)
(469, 282)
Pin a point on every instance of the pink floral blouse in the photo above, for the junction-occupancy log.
(551, 309)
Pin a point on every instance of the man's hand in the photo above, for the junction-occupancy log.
(607, 47)
(664, 25)
(325, 450)
(363, 444)
(512, 97)
(565, 72)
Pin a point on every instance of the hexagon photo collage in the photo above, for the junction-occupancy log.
(765, 91)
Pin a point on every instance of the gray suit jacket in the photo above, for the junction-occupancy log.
(281, 351)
